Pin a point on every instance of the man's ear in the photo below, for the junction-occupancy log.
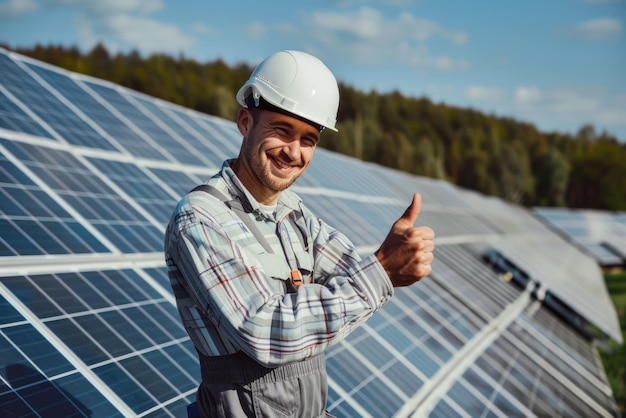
(244, 121)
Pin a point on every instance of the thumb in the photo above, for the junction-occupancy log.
(411, 213)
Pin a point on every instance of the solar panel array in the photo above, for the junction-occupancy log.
(601, 234)
(89, 174)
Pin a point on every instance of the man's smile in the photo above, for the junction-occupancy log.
(283, 165)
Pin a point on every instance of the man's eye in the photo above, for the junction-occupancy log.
(309, 142)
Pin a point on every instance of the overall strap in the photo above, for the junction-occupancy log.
(237, 207)
(296, 220)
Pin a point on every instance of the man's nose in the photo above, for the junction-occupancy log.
(292, 149)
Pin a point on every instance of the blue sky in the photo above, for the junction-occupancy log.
(557, 64)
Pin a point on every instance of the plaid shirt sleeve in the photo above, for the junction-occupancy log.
(234, 294)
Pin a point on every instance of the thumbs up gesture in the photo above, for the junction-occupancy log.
(407, 251)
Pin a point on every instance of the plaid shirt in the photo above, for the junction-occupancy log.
(231, 292)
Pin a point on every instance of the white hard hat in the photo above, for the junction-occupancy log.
(297, 83)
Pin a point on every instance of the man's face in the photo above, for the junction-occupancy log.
(276, 150)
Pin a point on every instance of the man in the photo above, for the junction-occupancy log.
(262, 285)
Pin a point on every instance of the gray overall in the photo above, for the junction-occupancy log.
(237, 386)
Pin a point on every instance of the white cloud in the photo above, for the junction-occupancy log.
(15, 8)
(147, 35)
(555, 100)
(125, 6)
(570, 107)
(256, 30)
(482, 93)
(123, 25)
(554, 108)
(422, 29)
(393, 3)
(527, 95)
(367, 36)
(442, 63)
(288, 29)
(597, 29)
(615, 114)
(365, 24)
(601, 2)
(122, 32)
(200, 28)
(116, 6)
(85, 32)
(570, 101)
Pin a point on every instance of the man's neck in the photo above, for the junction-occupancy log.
(262, 195)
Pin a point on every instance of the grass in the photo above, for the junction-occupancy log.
(615, 360)
(616, 283)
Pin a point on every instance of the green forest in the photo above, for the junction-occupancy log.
(494, 155)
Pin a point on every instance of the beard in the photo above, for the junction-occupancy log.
(270, 180)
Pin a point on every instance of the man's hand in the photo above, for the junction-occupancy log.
(407, 251)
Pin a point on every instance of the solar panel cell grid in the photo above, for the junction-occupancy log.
(445, 410)
(215, 148)
(598, 233)
(129, 230)
(473, 403)
(224, 133)
(178, 181)
(326, 172)
(376, 398)
(564, 363)
(149, 139)
(364, 222)
(87, 105)
(130, 317)
(66, 396)
(546, 394)
(86, 398)
(63, 296)
(37, 349)
(14, 118)
(140, 186)
(63, 120)
(76, 339)
(346, 368)
(40, 378)
(187, 149)
(126, 387)
(355, 227)
(83, 288)
(544, 325)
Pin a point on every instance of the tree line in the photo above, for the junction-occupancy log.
(497, 156)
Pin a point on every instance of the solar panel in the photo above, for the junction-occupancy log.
(599, 233)
(89, 174)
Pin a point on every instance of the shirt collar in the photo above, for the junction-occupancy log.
(287, 200)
